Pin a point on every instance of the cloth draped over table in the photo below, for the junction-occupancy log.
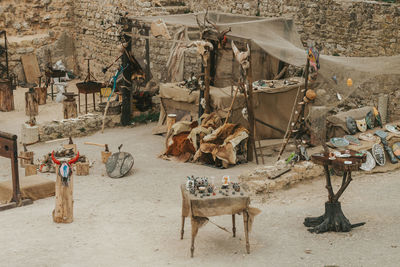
(200, 209)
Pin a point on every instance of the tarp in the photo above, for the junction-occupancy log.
(271, 105)
(278, 37)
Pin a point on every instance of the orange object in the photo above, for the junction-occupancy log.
(349, 82)
(310, 94)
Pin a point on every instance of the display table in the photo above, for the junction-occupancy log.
(334, 219)
(200, 208)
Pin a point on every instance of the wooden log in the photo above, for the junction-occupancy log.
(171, 119)
(104, 156)
(64, 210)
(82, 168)
(31, 104)
(27, 158)
(70, 109)
(42, 95)
(30, 169)
(6, 96)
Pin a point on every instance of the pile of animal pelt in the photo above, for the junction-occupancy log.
(211, 142)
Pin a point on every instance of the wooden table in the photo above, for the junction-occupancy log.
(199, 209)
(334, 219)
(88, 87)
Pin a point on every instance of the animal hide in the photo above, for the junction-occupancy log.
(181, 147)
(211, 120)
(222, 143)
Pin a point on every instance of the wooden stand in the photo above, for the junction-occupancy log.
(9, 149)
(333, 219)
(6, 96)
(30, 169)
(82, 168)
(70, 109)
(63, 212)
(42, 95)
(26, 158)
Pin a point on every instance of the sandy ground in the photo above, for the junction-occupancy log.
(135, 221)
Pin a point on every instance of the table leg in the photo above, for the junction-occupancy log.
(183, 227)
(79, 102)
(233, 225)
(328, 183)
(195, 229)
(333, 219)
(85, 103)
(52, 91)
(94, 102)
(246, 230)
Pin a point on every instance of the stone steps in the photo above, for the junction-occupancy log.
(166, 3)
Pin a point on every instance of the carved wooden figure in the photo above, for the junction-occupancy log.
(63, 212)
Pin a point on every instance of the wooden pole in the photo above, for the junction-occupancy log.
(207, 109)
(250, 110)
(64, 210)
(126, 88)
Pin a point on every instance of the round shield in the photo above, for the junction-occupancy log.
(119, 164)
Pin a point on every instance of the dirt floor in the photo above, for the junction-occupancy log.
(135, 221)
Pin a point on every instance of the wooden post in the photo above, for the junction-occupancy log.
(31, 104)
(63, 212)
(82, 168)
(70, 109)
(30, 169)
(171, 119)
(26, 158)
(126, 87)
(42, 95)
(207, 109)
(250, 110)
(6, 96)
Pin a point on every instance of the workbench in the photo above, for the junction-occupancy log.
(200, 208)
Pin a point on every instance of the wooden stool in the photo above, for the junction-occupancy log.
(69, 106)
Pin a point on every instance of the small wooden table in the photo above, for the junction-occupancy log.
(199, 209)
(334, 219)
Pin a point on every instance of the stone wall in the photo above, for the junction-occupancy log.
(350, 28)
(82, 126)
(38, 26)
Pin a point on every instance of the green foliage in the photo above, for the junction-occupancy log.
(82, 129)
